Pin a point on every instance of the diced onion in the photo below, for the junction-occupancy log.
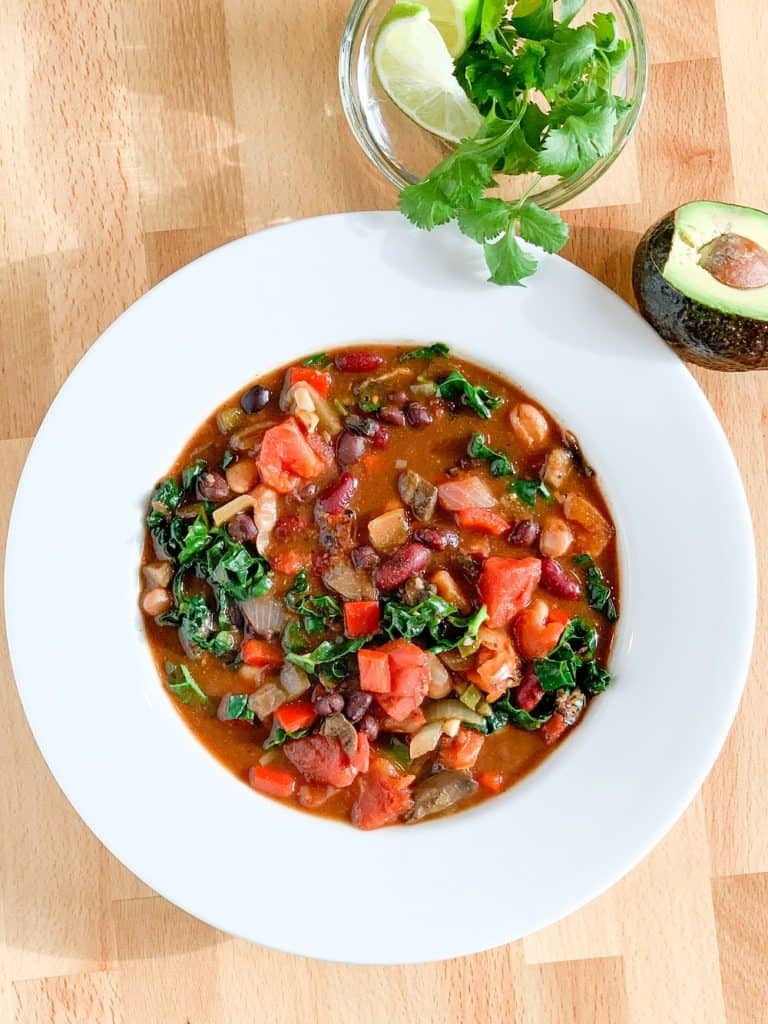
(294, 680)
(426, 739)
(265, 615)
(451, 727)
(442, 710)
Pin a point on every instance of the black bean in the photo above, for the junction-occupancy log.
(350, 448)
(255, 399)
(391, 414)
(326, 702)
(524, 533)
(212, 486)
(370, 726)
(417, 414)
(242, 529)
(364, 557)
(357, 705)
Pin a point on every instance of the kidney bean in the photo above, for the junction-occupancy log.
(524, 533)
(381, 438)
(357, 705)
(417, 414)
(407, 561)
(212, 486)
(437, 539)
(350, 448)
(336, 497)
(370, 726)
(557, 581)
(391, 414)
(358, 362)
(364, 557)
(530, 691)
(362, 425)
(242, 529)
(255, 399)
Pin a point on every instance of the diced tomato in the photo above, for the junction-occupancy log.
(411, 724)
(286, 457)
(492, 782)
(507, 585)
(409, 675)
(462, 750)
(321, 760)
(465, 492)
(536, 631)
(383, 795)
(259, 654)
(298, 714)
(373, 667)
(361, 759)
(498, 664)
(361, 618)
(288, 562)
(485, 520)
(552, 730)
(321, 382)
(529, 693)
(273, 781)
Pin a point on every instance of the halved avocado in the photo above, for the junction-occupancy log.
(701, 279)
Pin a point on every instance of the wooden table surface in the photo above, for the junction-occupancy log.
(139, 134)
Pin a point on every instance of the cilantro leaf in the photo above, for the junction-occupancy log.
(490, 20)
(534, 19)
(456, 388)
(500, 464)
(579, 142)
(568, 53)
(191, 473)
(485, 220)
(321, 359)
(236, 709)
(569, 9)
(278, 736)
(425, 204)
(507, 261)
(542, 227)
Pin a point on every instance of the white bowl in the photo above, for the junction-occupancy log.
(269, 873)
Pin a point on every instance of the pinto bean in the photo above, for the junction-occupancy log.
(156, 601)
(557, 466)
(528, 424)
(358, 362)
(417, 414)
(435, 538)
(556, 537)
(557, 581)
(407, 561)
(338, 496)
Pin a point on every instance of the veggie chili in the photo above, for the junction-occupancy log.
(379, 584)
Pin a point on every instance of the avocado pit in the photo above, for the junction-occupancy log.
(735, 261)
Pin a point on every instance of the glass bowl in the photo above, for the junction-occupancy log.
(405, 153)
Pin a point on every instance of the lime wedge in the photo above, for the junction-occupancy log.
(416, 70)
(457, 21)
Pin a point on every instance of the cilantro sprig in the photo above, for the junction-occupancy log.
(545, 90)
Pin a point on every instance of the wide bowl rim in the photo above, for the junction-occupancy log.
(362, 241)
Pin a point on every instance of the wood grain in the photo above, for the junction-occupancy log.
(137, 136)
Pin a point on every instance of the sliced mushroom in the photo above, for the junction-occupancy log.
(337, 727)
(351, 584)
(418, 493)
(570, 704)
(439, 792)
(415, 590)
(157, 574)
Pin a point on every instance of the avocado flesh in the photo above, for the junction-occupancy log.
(697, 224)
(698, 331)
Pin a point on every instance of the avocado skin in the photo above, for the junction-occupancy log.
(709, 337)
